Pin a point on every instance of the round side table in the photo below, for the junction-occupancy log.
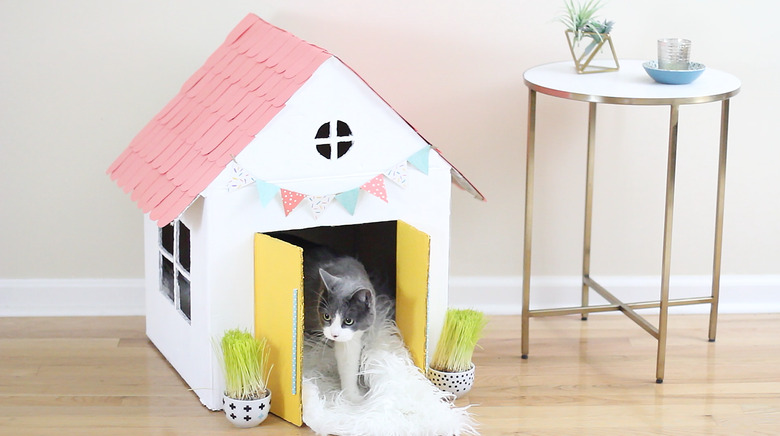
(628, 86)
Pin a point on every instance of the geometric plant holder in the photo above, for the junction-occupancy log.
(584, 55)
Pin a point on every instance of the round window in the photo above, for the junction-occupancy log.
(333, 143)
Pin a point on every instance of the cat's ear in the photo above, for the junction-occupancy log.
(329, 280)
(363, 296)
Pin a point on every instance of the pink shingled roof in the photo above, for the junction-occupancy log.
(217, 113)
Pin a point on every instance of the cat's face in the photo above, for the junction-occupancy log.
(344, 307)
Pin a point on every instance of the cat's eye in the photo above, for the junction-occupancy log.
(326, 317)
(349, 321)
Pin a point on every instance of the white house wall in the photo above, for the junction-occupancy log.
(231, 219)
(186, 345)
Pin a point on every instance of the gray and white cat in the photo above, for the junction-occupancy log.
(339, 301)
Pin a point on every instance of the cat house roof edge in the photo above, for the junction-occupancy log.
(240, 88)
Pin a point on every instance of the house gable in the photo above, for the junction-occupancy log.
(333, 107)
(230, 101)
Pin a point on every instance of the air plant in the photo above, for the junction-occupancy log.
(580, 19)
(462, 330)
(245, 361)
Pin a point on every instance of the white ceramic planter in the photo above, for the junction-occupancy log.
(246, 413)
(457, 383)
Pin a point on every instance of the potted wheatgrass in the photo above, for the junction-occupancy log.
(451, 368)
(247, 398)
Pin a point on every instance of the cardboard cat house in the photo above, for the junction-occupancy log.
(274, 138)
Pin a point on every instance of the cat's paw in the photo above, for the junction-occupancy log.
(352, 395)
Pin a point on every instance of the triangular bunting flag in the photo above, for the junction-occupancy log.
(420, 160)
(266, 190)
(238, 177)
(318, 203)
(398, 174)
(376, 187)
(349, 200)
(291, 200)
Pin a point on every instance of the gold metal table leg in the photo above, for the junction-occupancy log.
(667, 244)
(528, 224)
(588, 207)
(724, 133)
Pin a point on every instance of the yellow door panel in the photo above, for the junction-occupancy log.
(279, 318)
(412, 263)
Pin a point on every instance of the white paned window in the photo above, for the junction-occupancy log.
(174, 245)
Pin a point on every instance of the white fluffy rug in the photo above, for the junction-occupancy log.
(400, 399)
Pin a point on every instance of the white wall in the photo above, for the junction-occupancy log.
(79, 79)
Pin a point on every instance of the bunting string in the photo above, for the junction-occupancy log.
(398, 174)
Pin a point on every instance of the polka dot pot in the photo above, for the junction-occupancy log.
(458, 383)
(246, 413)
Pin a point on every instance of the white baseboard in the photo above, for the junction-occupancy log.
(490, 294)
(71, 297)
(503, 295)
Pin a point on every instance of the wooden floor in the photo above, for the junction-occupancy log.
(101, 376)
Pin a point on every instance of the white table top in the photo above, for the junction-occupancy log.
(629, 85)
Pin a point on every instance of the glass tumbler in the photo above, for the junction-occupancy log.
(674, 53)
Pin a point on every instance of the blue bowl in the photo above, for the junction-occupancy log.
(674, 77)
